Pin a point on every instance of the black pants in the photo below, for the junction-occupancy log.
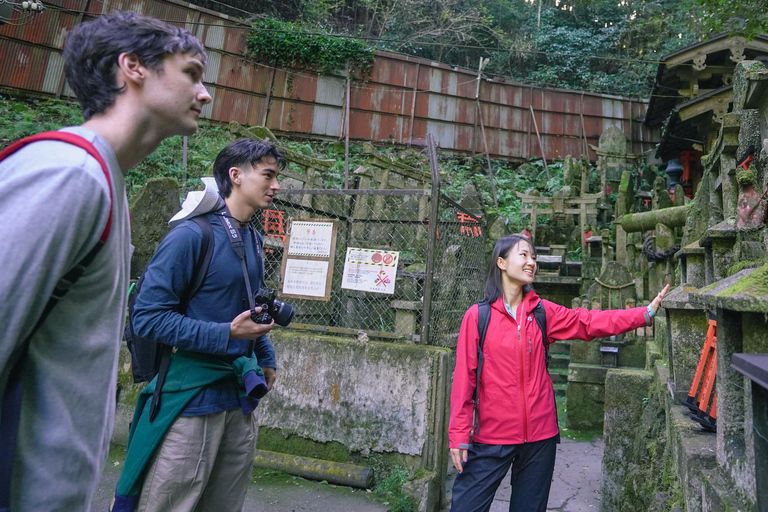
(532, 467)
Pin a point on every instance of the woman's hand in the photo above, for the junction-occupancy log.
(656, 302)
(459, 457)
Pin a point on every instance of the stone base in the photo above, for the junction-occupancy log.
(644, 425)
(585, 396)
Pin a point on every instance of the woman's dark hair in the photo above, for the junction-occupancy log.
(239, 152)
(501, 250)
(92, 49)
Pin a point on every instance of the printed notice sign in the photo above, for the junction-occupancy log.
(307, 268)
(370, 270)
(305, 277)
(311, 239)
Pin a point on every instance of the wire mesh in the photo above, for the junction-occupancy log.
(385, 220)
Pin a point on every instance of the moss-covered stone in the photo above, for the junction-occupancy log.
(151, 208)
(741, 265)
(585, 352)
(584, 405)
(746, 177)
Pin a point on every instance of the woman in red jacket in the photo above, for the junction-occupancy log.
(517, 421)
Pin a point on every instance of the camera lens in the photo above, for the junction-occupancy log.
(282, 313)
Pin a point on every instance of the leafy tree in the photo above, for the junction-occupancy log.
(747, 17)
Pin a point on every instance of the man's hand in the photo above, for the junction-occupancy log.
(243, 328)
(459, 457)
(269, 376)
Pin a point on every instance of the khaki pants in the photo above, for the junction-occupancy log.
(203, 464)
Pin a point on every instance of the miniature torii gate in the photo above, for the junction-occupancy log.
(585, 204)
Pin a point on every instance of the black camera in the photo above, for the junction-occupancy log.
(271, 308)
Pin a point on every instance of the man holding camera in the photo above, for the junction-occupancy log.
(205, 458)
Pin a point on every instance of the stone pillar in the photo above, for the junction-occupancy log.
(730, 392)
(686, 329)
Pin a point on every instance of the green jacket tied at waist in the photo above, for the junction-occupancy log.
(187, 374)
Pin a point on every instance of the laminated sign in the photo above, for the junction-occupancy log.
(370, 270)
(307, 266)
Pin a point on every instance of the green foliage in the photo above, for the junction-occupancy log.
(167, 159)
(20, 117)
(746, 17)
(390, 481)
(291, 44)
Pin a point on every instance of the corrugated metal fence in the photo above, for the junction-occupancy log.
(404, 99)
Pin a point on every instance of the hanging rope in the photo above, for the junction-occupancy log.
(654, 256)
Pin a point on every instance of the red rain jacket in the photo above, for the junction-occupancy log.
(516, 400)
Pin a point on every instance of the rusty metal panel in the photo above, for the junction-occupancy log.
(301, 86)
(214, 35)
(168, 12)
(389, 71)
(466, 111)
(207, 110)
(212, 66)
(552, 123)
(235, 39)
(466, 139)
(49, 29)
(238, 73)
(442, 108)
(235, 106)
(382, 105)
(290, 116)
(54, 73)
(445, 133)
(331, 90)
(24, 66)
(327, 120)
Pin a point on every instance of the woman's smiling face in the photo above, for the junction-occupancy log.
(519, 267)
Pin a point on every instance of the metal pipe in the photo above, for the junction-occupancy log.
(315, 469)
(432, 238)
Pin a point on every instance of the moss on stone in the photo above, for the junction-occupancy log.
(748, 177)
(274, 441)
(741, 265)
(756, 284)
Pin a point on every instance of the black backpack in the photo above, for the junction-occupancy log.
(483, 319)
(148, 357)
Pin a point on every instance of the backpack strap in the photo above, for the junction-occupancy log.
(483, 319)
(540, 314)
(10, 412)
(199, 273)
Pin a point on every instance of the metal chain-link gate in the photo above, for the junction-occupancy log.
(440, 272)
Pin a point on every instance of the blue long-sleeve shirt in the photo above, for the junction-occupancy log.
(205, 326)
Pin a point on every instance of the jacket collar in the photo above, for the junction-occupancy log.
(530, 300)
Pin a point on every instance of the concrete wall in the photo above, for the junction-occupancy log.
(368, 396)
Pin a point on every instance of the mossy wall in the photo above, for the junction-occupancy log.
(639, 474)
(368, 396)
(151, 208)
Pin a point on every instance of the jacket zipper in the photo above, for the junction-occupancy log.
(522, 386)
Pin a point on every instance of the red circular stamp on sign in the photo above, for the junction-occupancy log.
(376, 258)
(388, 259)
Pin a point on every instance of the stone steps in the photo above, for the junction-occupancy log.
(559, 361)
(560, 347)
(559, 375)
(560, 388)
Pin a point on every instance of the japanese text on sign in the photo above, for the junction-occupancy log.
(370, 270)
(310, 239)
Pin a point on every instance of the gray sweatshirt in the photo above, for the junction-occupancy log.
(54, 203)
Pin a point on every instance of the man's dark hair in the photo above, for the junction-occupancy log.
(92, 49)
(239, 152)
(501, 250)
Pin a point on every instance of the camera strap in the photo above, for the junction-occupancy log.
(239, 247)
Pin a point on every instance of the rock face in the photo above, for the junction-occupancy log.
(151, 209)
